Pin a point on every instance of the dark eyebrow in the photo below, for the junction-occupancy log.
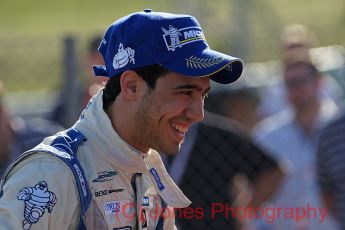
(195, 87)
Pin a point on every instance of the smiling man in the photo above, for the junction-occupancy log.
(105, 172)
(159, 118)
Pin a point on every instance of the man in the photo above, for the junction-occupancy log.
(81, 92)
(330, 167)
(295, 42)
(291, 138)
(155, 93)
(214, 184)
(295, 45)
(239, 102)
(93, 57)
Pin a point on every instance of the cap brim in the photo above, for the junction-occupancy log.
(217, 66)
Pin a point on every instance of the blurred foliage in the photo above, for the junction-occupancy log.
(32, 31)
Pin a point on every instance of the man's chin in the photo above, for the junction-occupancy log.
(172, 150)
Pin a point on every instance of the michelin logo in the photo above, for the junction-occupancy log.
(123, 57)
(176, 38)
(37, 199)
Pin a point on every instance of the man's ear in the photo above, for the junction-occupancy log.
(129, 83)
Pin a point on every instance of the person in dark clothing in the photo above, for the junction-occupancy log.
(214, 153)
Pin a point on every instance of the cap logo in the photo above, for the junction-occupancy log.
(123, 57)
(194, 62)
(176, 38)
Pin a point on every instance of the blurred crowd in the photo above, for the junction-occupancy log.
(275, 145)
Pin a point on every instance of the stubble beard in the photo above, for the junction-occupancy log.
(147, 131)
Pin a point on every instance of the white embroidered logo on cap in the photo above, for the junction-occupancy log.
(176, 38)
(123, 56)
(194, 62)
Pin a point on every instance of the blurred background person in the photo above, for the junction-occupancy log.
(18, 135)
(238, 102)
(296, 42)
(218, 164)
(291, 137)
(85, 88)
(93, 84)
(331, 168)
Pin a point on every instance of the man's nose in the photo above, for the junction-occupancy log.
(195, 110)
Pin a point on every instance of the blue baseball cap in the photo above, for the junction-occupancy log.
(174, 41)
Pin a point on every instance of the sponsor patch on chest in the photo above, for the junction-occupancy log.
(112, 207)
(107, 192)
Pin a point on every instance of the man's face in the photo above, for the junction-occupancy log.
(293, 52)
(165, 113)
(302, 87)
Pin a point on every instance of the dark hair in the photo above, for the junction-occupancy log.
(312, 69)
(149, 74)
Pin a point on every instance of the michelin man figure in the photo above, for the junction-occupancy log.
(36, 199)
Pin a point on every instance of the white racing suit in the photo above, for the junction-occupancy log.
(129, 189)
